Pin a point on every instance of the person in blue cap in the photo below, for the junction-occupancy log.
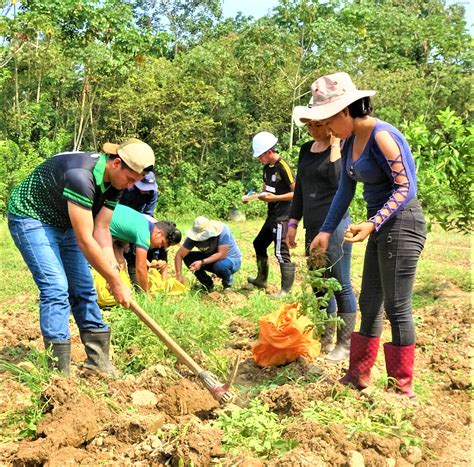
(142, 196)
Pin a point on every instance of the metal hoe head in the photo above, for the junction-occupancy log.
(220, 392)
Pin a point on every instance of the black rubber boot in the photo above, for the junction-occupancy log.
(341, 351)
(287, 278)
(327, 344)
(61, 351)
(205, 280)
(97, 346)
(261, 280)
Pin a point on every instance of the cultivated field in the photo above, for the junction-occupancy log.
(158, 414)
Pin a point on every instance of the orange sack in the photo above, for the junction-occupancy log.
(284, 336)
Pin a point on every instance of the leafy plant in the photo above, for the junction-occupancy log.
(255, 429)
(316, 291)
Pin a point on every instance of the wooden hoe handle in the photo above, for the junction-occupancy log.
(166, 338)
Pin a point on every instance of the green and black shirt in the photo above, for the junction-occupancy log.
(76, 177)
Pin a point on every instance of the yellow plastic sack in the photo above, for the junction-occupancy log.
(170, 286)
(104, 297)
(284, 336)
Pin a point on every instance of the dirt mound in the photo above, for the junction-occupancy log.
(330, 440)
(197, 445)
(18, 332)
(186, 397)
(285, 400)
(72, 424)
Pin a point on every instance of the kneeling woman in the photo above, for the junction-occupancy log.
(144, 232)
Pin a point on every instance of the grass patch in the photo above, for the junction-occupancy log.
(35, 379)
(199, 329)
(287, 375)
(361, 415)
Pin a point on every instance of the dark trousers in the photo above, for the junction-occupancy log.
(390, 264)
(339, 259)
(224, 269)
(273, 231)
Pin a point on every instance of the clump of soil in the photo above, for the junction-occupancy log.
(197, 445)
(285, 400)
(329, 441)
(317, 259)
(186, 397)
(70, 425)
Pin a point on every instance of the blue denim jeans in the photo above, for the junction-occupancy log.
(224, 269)
(390, 264)
(62, 275)
(339, 255)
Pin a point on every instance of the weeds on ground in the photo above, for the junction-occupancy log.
(35, 379)
(362, 415)
(198, 327)
(255, 429)
(288, 375)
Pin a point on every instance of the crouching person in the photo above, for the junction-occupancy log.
(59, 219)
(218, 253)
(130, 227)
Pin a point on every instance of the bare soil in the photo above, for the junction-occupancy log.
(164, 418)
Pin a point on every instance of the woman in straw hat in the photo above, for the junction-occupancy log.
(319, 170)
(376, 154)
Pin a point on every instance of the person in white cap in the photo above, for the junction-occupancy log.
(218, 253)
(277, 191)
(376, 154)
(59, 219)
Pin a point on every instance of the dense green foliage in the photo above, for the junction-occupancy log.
(196, 87)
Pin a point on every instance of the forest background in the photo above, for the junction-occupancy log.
(197, 86)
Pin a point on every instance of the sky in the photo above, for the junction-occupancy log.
(255, 8)
(259, 8)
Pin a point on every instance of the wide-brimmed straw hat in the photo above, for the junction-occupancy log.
(135, 153)
(330, 94)
(204, 228)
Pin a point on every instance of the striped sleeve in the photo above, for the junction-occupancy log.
(287, 173)
(77, 198)
(79, 187)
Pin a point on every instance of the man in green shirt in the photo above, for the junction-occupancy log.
(144, 232)
(59, 219)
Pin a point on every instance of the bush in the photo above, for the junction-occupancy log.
(444, 161)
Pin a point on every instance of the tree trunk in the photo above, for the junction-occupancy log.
(79, 133)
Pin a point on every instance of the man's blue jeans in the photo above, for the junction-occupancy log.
(224, 268)
(339, 255)
(62, 275)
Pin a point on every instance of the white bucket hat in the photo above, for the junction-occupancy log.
(330, 94)
(262, 142)
(204, 228)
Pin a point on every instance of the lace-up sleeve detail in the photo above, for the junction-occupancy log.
(403, 187)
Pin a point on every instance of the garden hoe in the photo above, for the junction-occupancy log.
(220, 392)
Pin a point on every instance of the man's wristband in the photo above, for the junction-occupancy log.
(202, 262)
(293, 224)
